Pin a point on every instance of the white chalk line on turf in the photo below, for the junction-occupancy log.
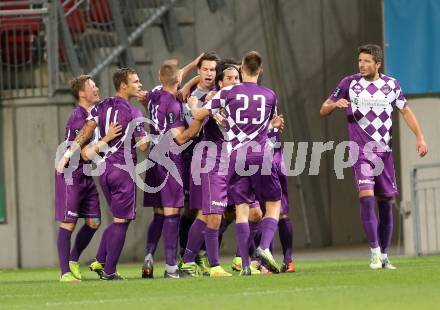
(249, 292)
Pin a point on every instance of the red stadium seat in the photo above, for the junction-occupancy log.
(100, 12)
(17, 35)
(16, 47)
(75, 20)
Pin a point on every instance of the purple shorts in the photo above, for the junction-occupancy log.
(214, 193)
(119, 191)
(171, 192)
(383, 184)
(79, 200)
(244, 189)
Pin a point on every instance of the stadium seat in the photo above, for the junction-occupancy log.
(75, 20)
(100, 12)
(17, 35)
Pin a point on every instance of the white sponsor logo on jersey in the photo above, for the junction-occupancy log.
(219, 203)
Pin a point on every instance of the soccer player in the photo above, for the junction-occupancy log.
(369, 99)
(250, 108)
(285, 229)
(80, 198)
(191, 229)
(214, 191)
(117, 184)
(166, 124)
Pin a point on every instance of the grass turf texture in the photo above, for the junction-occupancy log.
(336, 284)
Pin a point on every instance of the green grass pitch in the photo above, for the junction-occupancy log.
(318, 284)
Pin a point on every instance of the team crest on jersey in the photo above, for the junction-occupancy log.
(357, 88)
(170, 118)
(336, 92)
(76, 132)
(386, 89)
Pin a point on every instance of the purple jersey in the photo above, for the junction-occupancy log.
(74, 125)
(249, 107)
(118, 110)
(371, 105)
(165, 113)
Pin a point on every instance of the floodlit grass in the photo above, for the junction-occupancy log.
(336, 284)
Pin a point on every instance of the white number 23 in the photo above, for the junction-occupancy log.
(258, 98)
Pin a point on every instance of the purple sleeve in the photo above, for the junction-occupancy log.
(139, 130)
(218, 102)
(341, 91)
(174, 115)
(73, 127)
(400, 101)
(93, 114)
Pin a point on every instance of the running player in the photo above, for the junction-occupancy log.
(369, 99)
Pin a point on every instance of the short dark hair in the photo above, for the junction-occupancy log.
(221, 68)
(372, 49)
(210, 56)
(78, 83)
(168, 72)
(121, 75)
(252, 63)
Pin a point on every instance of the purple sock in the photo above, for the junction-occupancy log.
(369, 220)
(223, 226)
(242, 233)
(195, 240)
(63, 245)
(115, 243)
(184, 228)
(102, 250)
(286, 237)
(385, 227)
(83, 237)
(254, 228)
(170, 238)
(153, 233)
(268, 228)
(211, 241)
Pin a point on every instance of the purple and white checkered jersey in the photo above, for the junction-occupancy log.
(370, 113)
(199, 94)
(249, 108)
(118, 110)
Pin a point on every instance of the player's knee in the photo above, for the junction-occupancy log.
(158, 211)
(384, 198)
(118, 220)
(214, 221)
(365, 193)
(94, 222)
(255, 215)
(68, 226)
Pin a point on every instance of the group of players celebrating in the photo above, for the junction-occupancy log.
(214, 157)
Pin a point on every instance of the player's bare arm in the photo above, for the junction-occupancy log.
(143, 143)
(329, 106)
(197, 113)
(83, 136)
(182, 135)
(90, 151)
(184, 92)
(413, 124)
